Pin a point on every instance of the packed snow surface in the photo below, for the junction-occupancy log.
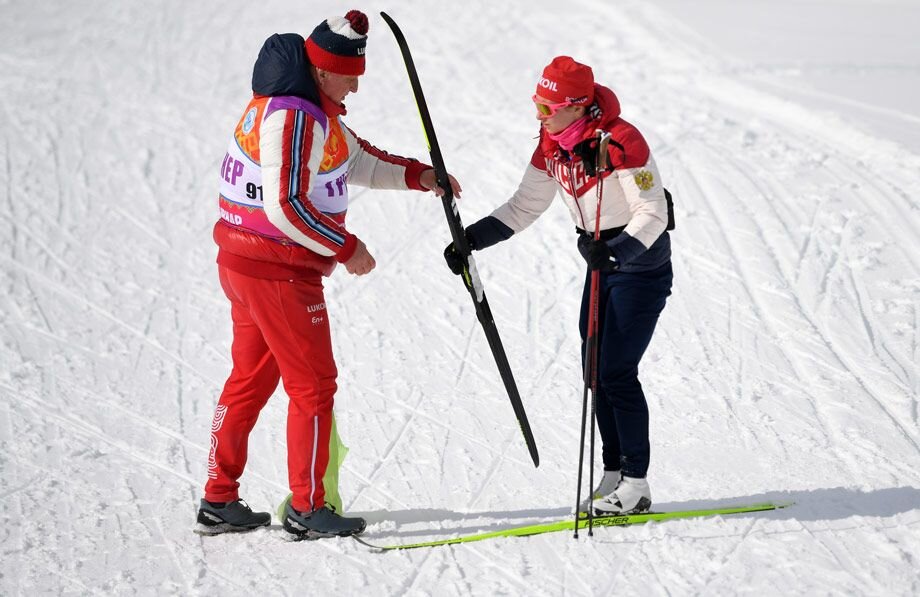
(785, 366)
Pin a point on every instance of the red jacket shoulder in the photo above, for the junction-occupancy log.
(628, 148)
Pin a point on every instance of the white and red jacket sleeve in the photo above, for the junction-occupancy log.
(371, 167)
(291, 148)
(534, 195)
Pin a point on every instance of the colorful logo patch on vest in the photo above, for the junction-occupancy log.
(250, 120)
(644, 180)
(335, 152)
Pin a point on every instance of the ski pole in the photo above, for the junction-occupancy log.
(591, 349)
(600, 166)
(581, 445)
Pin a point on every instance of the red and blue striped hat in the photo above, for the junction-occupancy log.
(337, 44)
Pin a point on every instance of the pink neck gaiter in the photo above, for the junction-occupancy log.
(572, 134)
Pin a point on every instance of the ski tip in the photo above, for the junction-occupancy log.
(391, 24)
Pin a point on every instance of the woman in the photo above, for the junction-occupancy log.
(633, 254)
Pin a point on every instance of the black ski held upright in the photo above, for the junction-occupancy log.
(470, 275)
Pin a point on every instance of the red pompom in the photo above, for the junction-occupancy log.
(358, 21)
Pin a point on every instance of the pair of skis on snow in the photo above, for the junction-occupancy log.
(474, 285)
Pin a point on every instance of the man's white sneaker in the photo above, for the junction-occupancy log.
(608, 484)
(632, 496)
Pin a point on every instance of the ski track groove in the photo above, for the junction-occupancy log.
(80, 427)
(91, 305)
(650, 561)
(732, 253)
(494, 467)
(464, 358)
(807, 244)
(8, 174)
(571, 573)
(173, 556)
(388, 451)
(36, 301)
(64, 481)
(738, 541)
(887, 223)
(916, 379)
(180, 385)
(16, 489)
(822, 335)
(14, 493)
(472, 438)
(838, 355)
(890, 193)
(367, 483)
(876, 333)
(833, 554)
(200, 557)
(491, 561)
(615, 576)
(100, 400)
(825, 341)
(407, 584)
(19, 227)
(89, 489)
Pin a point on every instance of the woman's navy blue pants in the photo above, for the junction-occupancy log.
(630, 304)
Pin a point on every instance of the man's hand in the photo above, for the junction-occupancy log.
(430, 182)
(361, 262)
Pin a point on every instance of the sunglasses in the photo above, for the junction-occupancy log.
(550, 109)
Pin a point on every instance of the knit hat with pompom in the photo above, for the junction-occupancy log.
(337, 44)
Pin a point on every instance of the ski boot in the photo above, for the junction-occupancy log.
(608, 484)
(215, 518)
(632, 496)
(324, 522)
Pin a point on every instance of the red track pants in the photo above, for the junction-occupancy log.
(280, 331)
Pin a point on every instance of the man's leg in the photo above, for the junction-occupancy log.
(252, 381)
(295, 324)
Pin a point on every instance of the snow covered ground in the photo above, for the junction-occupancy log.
(785, 365)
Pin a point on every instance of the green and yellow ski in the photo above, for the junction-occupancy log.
(599, 521)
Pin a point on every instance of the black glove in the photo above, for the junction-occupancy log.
(597, 254)
(454, 259)
(587, 151)
(483, 234)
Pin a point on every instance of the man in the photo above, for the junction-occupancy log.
(633, 254)
(283, 199)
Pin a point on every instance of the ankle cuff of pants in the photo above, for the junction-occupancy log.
(221, 497)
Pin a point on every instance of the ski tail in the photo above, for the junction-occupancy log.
(470, 275)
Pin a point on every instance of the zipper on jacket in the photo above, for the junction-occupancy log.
(575, 193)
